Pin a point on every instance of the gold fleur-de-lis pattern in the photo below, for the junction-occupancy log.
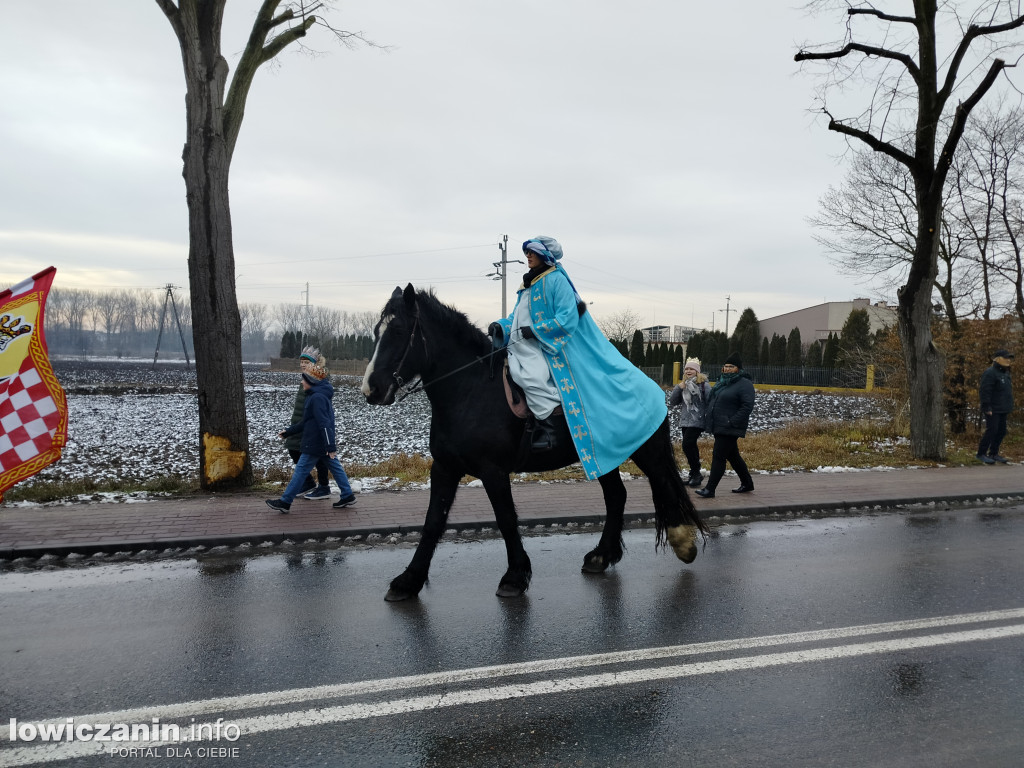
(555, 329)
(554, 337)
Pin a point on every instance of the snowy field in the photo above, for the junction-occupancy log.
(130, 422)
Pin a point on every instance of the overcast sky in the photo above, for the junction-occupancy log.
(667, 145)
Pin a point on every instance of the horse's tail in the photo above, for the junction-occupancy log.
(672, 503)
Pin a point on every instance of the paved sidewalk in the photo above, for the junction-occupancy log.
(233, 519)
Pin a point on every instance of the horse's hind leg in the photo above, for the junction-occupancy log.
(675, 517)
(609, 549)
(499, 491)
(443, 485)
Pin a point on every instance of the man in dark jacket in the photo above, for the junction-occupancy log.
(726, 417)
(995, 393)
(317, 441)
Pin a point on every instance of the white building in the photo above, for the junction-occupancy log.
(677, 334)
(816, 323)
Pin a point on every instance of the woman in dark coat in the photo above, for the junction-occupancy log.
(726, 417)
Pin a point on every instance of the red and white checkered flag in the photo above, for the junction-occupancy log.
(33, 408)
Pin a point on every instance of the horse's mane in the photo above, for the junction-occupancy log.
(456, 325)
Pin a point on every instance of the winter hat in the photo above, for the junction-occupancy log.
(693, 362)
(310, 353)
(547, 248)
(734, 359)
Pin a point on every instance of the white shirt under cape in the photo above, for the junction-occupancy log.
(611, 407)
(529, 366)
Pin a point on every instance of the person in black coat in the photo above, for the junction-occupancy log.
(995, 393)
(726, 417)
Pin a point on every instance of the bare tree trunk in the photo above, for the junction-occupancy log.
(925, 362)
(213, 117)
(216, 324)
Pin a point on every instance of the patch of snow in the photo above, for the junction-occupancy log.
(130, 422)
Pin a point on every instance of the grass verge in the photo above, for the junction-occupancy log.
(799, 446)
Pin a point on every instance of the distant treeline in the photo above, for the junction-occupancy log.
(348, 347)
(127, 323)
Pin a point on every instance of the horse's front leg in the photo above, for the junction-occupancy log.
(444, 483)
(609, 549)
(499, 491)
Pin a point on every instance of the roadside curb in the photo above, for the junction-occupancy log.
(275, 540)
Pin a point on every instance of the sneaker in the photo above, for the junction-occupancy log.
(320, 492)
(985, 459)
(694, 481)
(279, 506)
(347, 501)
(1000, 459)
(307, 486)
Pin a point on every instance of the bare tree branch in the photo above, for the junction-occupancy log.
(867, 50)
(880, 15)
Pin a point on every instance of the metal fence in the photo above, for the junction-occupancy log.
(656, 372)
(781, 375)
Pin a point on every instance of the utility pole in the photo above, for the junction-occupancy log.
(501, 271)
(306, 330)
(503, 247)
(726, 310)
(169, 295)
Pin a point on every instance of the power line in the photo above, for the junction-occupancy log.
(363, 256)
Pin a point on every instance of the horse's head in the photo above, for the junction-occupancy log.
(398, 354)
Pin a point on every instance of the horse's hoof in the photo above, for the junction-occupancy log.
(595, 564)
(507, 590)
(683, 539)
(396, 596)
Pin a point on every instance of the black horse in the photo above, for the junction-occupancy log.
(474, 432)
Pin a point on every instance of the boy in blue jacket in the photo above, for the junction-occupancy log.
(317, 428)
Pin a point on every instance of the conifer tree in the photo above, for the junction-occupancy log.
(694, 347)
(794, 349)
(854, 339)
(636, 349)
(831, 352)
(749, 350)
(814, 354)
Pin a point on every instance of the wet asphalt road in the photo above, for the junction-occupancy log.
(861, 686)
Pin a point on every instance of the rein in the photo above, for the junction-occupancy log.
(421, 384)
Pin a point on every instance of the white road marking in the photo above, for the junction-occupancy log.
(361, 711)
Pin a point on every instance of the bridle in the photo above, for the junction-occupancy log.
(398, 382)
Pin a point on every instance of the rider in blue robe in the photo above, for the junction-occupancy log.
(559, 355)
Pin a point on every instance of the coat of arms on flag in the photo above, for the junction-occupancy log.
(33, 408)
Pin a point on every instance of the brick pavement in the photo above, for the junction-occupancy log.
(232, 519)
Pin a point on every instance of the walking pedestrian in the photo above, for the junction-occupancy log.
(995, 393)
(318, 440)
(321, 487)
(692, 393)
(727, 416)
